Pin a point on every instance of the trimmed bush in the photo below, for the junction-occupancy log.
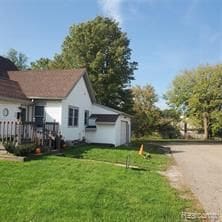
(9, 146)
(21, 149)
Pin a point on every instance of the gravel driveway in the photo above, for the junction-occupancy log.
(201, 166)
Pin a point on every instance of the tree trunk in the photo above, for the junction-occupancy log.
(205, 123)
(185, 131)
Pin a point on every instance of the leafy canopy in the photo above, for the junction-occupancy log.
(198, 94)
(18, 58)
(41, 64)
(100, 46)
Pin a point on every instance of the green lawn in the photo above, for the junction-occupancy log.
(69, 189)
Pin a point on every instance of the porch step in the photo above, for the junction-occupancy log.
(11, 157)
(3, 152)
(2, 149)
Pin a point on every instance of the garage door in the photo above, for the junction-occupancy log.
(124, 132)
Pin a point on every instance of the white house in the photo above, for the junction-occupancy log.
(65, 97)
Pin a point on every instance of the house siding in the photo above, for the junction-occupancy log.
(53, 111)
(104, 134)
(57, 110)
(78, 97)
(13, 108)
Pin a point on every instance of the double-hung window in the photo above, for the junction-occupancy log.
(73, 116)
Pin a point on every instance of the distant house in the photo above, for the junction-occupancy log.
(62, 96)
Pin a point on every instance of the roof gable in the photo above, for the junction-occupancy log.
(49, 84)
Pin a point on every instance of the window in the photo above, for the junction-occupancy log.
(39, 116)
(73, 116)
(86, 118)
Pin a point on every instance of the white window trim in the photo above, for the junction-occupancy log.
(86, 122)
(74, 108)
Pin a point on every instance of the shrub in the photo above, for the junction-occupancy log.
(169, 131)
(21, 149)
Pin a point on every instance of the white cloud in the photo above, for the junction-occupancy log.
(112, 9)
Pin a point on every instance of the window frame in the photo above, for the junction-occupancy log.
(74, 109)
(86, 117)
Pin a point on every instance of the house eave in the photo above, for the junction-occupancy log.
(45, 98)
(105, 123)
(10, 99)
(113, 110)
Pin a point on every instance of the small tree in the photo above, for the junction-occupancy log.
(145, 111)
(18, 58)
(41, 64)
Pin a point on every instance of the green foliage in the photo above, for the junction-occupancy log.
(145, 111)
(169, 131)
(9, 146)
(20, 149)
(167, 124)
(41, 64)
(198, 94)
(18, 58)
(100, 46)
(216, 127)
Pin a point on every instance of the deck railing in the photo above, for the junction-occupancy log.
(21, 132)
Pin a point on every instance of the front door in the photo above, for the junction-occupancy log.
(23, 115)
(39, 116)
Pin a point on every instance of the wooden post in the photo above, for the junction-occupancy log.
(185, 130)
(58, 142)
(1, 131)
(11, 136)
(7, 125)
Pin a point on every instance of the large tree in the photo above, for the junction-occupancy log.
(100, 46)
(198, 94)
(18, 58)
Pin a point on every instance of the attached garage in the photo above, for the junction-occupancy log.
(124, 138)
(112, 127)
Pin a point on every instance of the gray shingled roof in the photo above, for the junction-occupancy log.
(6, 65)
(11, 89)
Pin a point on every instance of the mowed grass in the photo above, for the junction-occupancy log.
(68, 189)
(121, 155)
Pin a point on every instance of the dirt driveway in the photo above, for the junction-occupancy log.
(201, 166)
